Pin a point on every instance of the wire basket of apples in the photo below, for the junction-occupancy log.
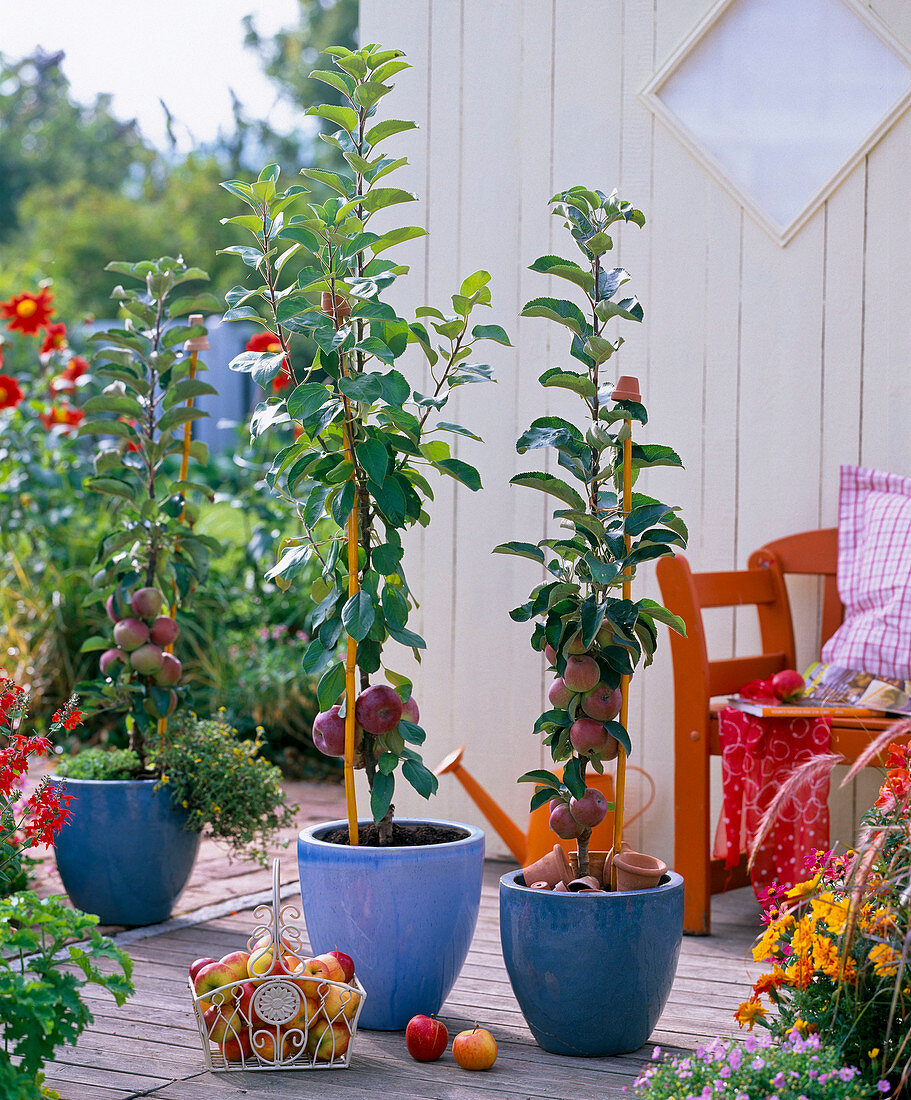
(265, 1009)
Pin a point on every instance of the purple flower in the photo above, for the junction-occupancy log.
(656, 1054)
(846, 1073)
(725, 1071)
(758, 1063)
(735, 1058)
(778, 1080)
(883, 1086)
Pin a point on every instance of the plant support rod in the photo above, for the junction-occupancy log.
(351, 662)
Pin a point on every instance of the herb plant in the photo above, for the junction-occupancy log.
(153, 558)
(592, 634)
(367, 439)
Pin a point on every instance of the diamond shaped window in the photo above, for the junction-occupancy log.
(781, 98)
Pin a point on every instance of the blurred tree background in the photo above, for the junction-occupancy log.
(80, 187)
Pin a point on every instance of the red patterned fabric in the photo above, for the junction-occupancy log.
(757, 756)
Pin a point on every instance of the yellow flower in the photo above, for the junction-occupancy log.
(748, 1013)
(216, 809)
(184, 803)
(802, 1027)
(826, 957)
(885, 960)
(832, 910)
(804, 889)
(803, 940)
(874, 1053)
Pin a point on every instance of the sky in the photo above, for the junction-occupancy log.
(186, 52)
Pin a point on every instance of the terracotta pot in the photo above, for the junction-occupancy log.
(596, 862)
(584, 885)
(560, 888)
(637, 871)
(538, 886)
(551, 868)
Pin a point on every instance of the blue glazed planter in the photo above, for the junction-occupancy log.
(591, 974)
(405, 915)
(124, 854)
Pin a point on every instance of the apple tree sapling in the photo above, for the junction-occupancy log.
(365, 438)
(152, 559)
(592, 633)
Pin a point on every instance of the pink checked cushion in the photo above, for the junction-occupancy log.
(874, 574)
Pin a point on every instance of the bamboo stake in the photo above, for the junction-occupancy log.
(627, 389)
(351, 663)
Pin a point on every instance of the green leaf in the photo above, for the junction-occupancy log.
(521, 550)
(662, 615)
(374, 458)
(358, 615)
(342, 505)
(559, 310)
(654, 454)
(616, 730)
(387, 763)
(627, 308)
(565, 269)
(551, 431)
(96, 642)
(542, 778)
(574, 776)
(386, 129)
(381, 795)
(385, 558)
(461, 471)
(392, 237)
(407, 637)
(422, 779)
(394, 388)
(491, 332)
(551, 485)
(457, 429)
(331, 686)
(112, 486)
(362, 387)
(341, 116)
(413, 734)
(569, 380)
(306, 399)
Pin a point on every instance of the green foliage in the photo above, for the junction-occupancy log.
(136, 417)
(224, 785)
(584, 607)
(366, 438)
(41, 1007)
(96, 763)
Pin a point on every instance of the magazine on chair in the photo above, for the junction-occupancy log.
(845, 692)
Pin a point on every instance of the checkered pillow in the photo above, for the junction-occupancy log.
(874, 574)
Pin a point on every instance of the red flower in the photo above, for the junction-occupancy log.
(27, 313)
(63, 416)
(47, 810)
(54, 338)
(76, 368)
(10, 392)
(263, 341)
(282, 380)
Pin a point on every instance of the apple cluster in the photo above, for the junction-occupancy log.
(322, 1026)
(426, 1038)
(377, 711)
(141, 634)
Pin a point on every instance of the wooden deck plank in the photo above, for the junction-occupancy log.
(150, 1047)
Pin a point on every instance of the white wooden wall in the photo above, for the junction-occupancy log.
(765, 367)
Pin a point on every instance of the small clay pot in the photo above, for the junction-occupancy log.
(561, 888)
(538, 886)
(584, 885)
(550, 868)
(596, 862)
(637, 871)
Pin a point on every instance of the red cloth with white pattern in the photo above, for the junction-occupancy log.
(874, 574)
(757, 756)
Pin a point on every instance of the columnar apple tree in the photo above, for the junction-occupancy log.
(591, 635)
(365, 437)
(151, 559)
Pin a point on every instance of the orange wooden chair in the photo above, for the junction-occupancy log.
(697, 680)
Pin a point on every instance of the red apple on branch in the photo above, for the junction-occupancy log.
(378, 709)
(581, 673)
(590, 810)
(563, 823)
(559, 694)
(426, 1038)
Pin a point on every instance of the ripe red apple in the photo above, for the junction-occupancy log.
(788, 685)
(237, 1047)
(111, 609)
(147, 659)
(196, 966)
(410, 711)
(170, 672)
(426, 1038)
(326, 1041)
(551, 654)
(575, 645)
(559, 694)
(163, 631)
(147, 602)
(109, 658)
(329, 732)
(587, 735)
(590, 810)
(563, 823)
(333, 965)
(602, 702)
(232, 1015)
(230, 970)
(130, 634)
(378, 709)
(346, 963)
(475, 1049)
(581, 673)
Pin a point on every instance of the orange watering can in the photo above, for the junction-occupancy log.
(530, 846)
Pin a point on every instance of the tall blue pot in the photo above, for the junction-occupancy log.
(406, 915)
(592, 974)
(124, 854)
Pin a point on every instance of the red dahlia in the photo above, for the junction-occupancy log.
(27, 313)
(10, 392)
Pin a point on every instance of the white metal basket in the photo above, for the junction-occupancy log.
(287, 1019)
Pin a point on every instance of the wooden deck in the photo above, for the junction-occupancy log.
(150, 1047)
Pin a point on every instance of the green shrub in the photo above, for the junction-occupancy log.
(96, 763)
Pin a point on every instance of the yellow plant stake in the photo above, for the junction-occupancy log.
(627, 389)
(194, 346)
(351, 663)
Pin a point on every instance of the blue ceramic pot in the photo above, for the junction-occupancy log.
(405, 915)
(124, 854)
(591, 973)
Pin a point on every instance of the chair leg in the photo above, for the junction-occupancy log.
(692, 829)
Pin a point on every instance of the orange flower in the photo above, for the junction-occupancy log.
(54, 338)
(769, 981)
(27, 313)
(10, 392)
(748, 1013)
(799, 971)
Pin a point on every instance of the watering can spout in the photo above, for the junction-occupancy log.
(513, 837)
